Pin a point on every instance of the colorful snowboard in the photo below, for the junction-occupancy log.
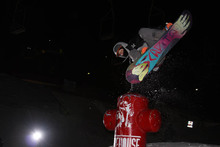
(136, 72)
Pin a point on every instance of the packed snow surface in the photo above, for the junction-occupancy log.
(179, 144)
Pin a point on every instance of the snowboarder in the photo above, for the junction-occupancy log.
(146, 38)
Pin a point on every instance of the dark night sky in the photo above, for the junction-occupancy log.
(69, 39)
(77, 30)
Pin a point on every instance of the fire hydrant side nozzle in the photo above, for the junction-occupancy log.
(150, 120)
(109, 119)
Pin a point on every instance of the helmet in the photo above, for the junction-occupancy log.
(118, 46)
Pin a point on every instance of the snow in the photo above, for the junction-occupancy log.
(68, 119)
(178, 144)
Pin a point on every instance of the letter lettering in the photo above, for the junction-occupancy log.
(124, 142)
(151, 59)
(158, 46)
(128, 142)
(132, 142)
(115, 141)
(137, 145)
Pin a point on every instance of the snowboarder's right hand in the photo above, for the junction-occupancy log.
(168, 25)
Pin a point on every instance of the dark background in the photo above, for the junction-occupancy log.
(67, 46)
(56, 40)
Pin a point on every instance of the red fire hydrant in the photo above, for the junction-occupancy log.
(132, 120)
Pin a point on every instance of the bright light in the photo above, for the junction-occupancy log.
(37, 135)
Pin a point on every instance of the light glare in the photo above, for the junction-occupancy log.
(37, 135)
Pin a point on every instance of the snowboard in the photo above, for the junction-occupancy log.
(141, 67)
